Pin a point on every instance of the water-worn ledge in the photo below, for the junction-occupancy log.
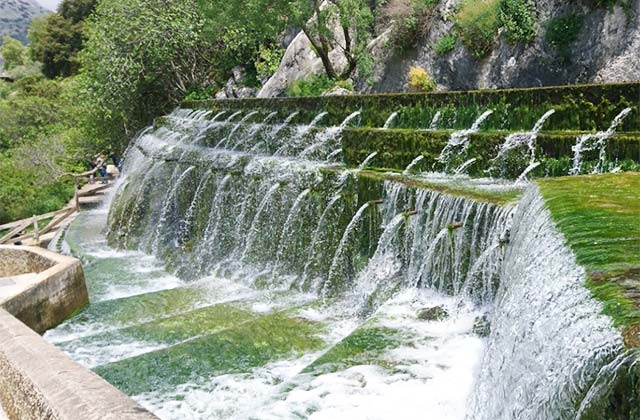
(598, 216)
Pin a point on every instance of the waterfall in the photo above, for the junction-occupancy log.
(339, 255)
(328, 136)
(548, 337)
(528, 139)
(367, 160)
(462, 168)
(355, 242)
(169, 201)
(597, 141)
(435, 121)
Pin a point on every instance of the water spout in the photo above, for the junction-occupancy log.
(413, 163)
(390, 121)
(367, 161)
(462, 168)
(587, 142)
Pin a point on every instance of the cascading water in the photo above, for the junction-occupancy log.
(459, 141)
(435, 121)
(541, 361)
(282, 287)
(411, 165)
(597, 141)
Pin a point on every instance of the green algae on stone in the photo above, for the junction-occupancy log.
(578, 107)
(174, 329)
(234, 350)
(599, 216)
(144, 307)
(363, 346)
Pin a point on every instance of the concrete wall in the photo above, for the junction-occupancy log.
(15, 260)
(38, 381)
(46, 288)
(38, 290)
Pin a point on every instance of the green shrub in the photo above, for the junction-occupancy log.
(562, 32)
(315, 86)
(519, 20)
(445, 45)
(477, 25)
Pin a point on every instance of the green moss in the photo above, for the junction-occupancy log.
(598, 216)
(181, 327)
(234, 350)
(136, 309)
(397, 148)
(362, 347)
(580, 107)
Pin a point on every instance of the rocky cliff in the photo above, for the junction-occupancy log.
(580, 41)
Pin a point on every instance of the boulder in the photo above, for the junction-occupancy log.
(245, 92)
(337, 91)
(482, 326)
(300, 61)
(436, 313)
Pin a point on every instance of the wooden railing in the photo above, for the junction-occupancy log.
(17, 229)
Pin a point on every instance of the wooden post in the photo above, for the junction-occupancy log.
(36, 231)
(76, 194)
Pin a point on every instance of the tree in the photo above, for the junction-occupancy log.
(55, 42)
(243, 33)
(77, 10)
(319, 18)
(13, 53)
(139, 60)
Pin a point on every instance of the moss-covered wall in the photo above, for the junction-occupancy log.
(397, 148)
(580, 107)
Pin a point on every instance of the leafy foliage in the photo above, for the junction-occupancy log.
(244, 36)
(477, 25)
(519, 20)
(77, 10)
(268, 60)
(445, 45)
(55, 41)
(13, 53)
(140, 59)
